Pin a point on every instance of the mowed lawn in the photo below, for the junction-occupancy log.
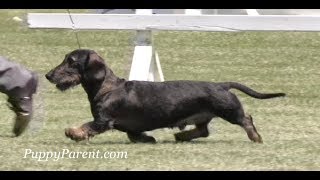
(266, 61)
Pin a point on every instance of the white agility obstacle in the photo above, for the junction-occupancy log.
(145, 62)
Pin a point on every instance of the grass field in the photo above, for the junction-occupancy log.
(266, 61)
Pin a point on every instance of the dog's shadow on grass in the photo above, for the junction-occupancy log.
(167, 142)
(197, 142)
(7, 136)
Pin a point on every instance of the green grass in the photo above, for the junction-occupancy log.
(266, 61)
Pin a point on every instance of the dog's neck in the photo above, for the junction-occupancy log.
(96, 88)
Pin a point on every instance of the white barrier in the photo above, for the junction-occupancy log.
(145, 63)
(252, 12)
(176, 22)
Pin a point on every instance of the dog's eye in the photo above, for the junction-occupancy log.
(71, 59)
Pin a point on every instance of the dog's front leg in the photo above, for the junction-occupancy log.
(88, 130)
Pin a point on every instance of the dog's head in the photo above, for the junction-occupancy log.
(78, 66)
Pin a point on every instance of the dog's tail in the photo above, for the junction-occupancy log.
(248, 91)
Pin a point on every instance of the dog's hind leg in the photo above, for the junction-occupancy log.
(248, 126)
(140, 137)
(238, 117)
(235, 115)
(201, 130)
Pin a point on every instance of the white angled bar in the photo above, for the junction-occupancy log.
(158, 72)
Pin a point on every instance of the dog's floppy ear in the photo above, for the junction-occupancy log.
(95, 67)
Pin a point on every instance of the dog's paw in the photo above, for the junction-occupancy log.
(259, 139)
(76, 134)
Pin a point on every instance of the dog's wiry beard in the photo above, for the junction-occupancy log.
(68, 82)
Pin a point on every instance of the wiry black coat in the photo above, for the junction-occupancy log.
(138, 106)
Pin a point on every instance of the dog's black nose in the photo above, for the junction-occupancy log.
(48, 76)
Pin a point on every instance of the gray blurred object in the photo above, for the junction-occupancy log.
(19, 84)
(171, 11)
(114, 11)
(216, 11)
(289, 11)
